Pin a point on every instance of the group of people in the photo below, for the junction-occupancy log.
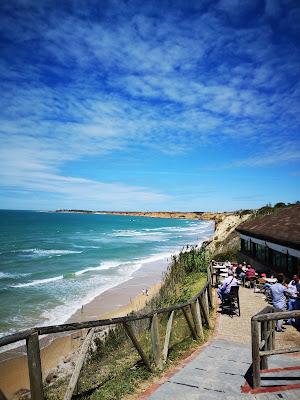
(240, 272)
(245, 272)
(284, 295)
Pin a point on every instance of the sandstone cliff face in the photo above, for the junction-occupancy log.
(225, 237)
(217, 217)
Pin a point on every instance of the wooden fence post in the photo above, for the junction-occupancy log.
(168, 336)
(270, 330)
(264, 337)
(273, 335)
(255, 354)
(205, 309)
(209, 288)
(34, 367)
(79, 363)
(155, 339)
(189, 322)
(2, 396)
(197, 319)
(136, 344)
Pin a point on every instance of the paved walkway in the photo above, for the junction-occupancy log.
(218, 372)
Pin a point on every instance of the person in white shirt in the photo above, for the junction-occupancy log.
(228, 282)
(279, 291)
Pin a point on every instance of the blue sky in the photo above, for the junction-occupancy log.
(160, 105)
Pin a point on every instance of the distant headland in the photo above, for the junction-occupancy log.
(211, 216)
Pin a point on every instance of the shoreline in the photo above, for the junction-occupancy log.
(58, 352)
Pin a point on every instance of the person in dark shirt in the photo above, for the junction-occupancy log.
(239, 270)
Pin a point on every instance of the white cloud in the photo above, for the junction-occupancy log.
(143, 79)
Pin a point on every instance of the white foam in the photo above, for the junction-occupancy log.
(85, 247)
(38, 282)
(4, 275)
(51, 252)
(103, 266)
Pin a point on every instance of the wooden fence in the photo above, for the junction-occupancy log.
(263, 339)
(195, 311)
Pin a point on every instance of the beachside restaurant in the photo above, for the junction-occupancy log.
(272, 243)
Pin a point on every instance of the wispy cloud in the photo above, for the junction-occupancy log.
(88, 81)
(274, 154)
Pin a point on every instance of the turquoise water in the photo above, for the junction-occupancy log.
(51, 264)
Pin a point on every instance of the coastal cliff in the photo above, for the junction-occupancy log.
(201, 215)
(225, 239)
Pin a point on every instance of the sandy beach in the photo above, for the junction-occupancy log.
(61, 351)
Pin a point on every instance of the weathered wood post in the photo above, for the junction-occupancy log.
(130, 333)
(79, 363)
(272, 339)
(155, 339)
(273, 335)
(2, 396)
(264, 337)
(168, 336)
(34, 367)
(209, 281)
(255, 353)
(197, 319)
(270, 335)
(186, 314)
(204, 308)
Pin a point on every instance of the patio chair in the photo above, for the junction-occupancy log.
(231, 302)
(250, 281)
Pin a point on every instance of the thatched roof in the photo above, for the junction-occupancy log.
(282, 227)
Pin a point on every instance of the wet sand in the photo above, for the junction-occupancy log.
(117, 301)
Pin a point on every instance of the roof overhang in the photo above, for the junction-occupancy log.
(269, 238)
(274, 246)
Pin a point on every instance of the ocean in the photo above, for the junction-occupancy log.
(52, 263)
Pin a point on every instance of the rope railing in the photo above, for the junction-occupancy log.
(195, 311)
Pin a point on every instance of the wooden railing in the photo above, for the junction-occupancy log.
(263, 339)
(195, 311)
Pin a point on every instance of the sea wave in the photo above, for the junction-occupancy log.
(38, 282)
(124, 271)
(8, 275)
(51, 252)
(103, 266)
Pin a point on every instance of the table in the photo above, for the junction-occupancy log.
(218, 266)
(270, 280)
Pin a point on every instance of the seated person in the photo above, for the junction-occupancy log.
(240, 274)
(239, 270)
(250, 275)
(228, 282)
(250, 272)
(262, 283)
